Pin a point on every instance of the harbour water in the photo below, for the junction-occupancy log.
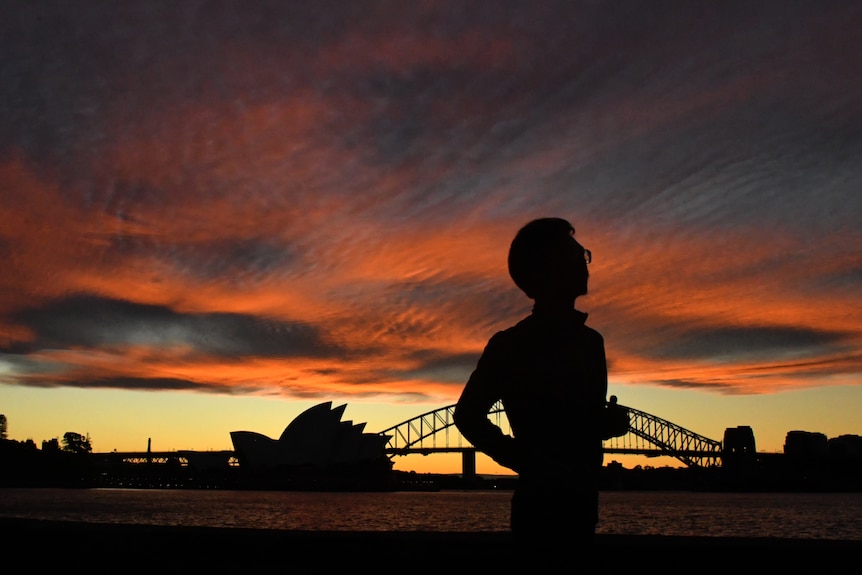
(672, 513)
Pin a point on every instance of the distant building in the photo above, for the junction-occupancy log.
(846, 447)
(805, 445)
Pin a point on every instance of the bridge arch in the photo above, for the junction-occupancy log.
(435, 432)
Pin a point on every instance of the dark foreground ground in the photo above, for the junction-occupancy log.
(37, 545)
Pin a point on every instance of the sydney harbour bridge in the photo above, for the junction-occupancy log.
(648, 435)
(435, 432)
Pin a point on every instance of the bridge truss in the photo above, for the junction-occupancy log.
(666, 438)
(649, 435)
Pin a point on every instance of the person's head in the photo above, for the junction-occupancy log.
(546, 261)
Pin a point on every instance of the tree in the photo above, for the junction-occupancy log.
(2, 426)
(76, 443)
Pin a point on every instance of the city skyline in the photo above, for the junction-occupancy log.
(215, 216)
(441, 437)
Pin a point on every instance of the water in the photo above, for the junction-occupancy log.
(787, 515)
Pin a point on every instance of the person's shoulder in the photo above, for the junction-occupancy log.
(592, 331)
(593, 335)
(512, 333)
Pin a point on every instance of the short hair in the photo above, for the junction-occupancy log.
(534, 249)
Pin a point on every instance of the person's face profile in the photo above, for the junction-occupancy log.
(568, 273)
(576, 268)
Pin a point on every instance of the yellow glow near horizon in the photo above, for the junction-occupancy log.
(126, 420)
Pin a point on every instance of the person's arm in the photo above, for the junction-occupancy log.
(602, 368)
(471, 412)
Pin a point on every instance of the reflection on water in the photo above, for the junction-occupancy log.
(377, 511)
(790, 515)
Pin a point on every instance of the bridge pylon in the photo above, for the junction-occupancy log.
(468, 464)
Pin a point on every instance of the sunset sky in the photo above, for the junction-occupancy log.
(217, 214)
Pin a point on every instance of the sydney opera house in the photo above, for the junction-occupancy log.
(315, 451)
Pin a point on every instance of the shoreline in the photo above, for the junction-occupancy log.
(73, 542)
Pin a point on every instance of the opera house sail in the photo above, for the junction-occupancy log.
(315, 451)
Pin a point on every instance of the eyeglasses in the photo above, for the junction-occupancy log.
(588, 256)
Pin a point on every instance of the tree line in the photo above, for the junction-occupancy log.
(72, 442)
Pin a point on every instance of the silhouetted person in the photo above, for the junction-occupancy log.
(550, 373)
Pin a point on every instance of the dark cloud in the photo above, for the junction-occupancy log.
(65, 64)
(697, 385)
(740, 343)
(848, 280)
(93, 322)
(135, 384)
(769, 85)
(143, 384)
(124, 198)
(447, 368)
(235, 260)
